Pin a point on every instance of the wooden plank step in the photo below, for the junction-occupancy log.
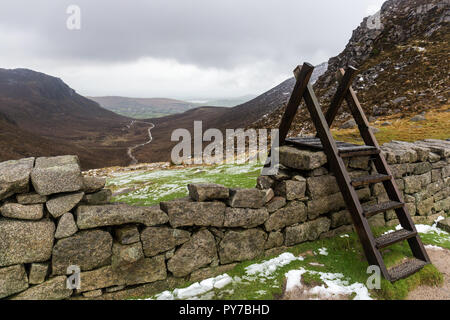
(393, 237)
(365, 180)
(358, 152)
(372, 210)
(406, 269)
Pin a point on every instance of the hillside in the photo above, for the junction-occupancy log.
(403, 67)
(40, 116)
(143, 108)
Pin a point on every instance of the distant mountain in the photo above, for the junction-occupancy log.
(40, 116)
(227, 102)
(241, 116)
(143, 108)
(403, 65)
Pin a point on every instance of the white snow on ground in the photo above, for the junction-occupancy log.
(267, 268)
(323, 251)
(345, 236)
(197, 289)
(423, 228)
(315, 264)
(204, 289)
(334, 286)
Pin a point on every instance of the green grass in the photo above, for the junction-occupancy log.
(345, 256)
(152, 187)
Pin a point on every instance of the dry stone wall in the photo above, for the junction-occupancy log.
(52, 217)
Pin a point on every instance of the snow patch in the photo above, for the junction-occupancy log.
(323, 251)
(334, 285)
(267, 268)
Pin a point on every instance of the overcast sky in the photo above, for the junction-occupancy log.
(186, 49)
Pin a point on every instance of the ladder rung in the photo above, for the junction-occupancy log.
(376, 178)
(393, 237)
(406, 269)
(351, 152)
(372, 210)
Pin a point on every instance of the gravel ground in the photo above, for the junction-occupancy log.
(441, 260)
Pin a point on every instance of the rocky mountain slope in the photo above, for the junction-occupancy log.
(41, 116)
(403, 63)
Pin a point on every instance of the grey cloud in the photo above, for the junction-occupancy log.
(206, 33)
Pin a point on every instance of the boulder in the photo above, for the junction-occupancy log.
(186, 213)
(38, 273)
(100, 197)
(13, 279)
(156, 240)
(87, 249)
(66, 226)
(242, 245)
(23, 212)
(127, 234)
(301, 159)
(198, 252)
(308, 231)
(89, 217)
(60, 204)
(25, 241)
(57, 175)
(247, 198)
(208, 192)
(31, 198)
(93, 184)
(275, 204)
(291, 189)
(15, 177)
(123, 255)
(294, 212)
(53, 289)
(246, 218)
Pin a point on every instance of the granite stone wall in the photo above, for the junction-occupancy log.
(53, 218)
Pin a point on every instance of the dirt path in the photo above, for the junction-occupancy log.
(441, 260)
(131, 149)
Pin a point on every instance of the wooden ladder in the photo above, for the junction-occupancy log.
(337, 151)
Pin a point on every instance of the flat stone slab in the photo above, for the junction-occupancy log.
(247, 198)
(31, 198)
(301, 159)
(244, 217)
(53, 289)
(15, 177)
(25, 241)
(89, 217)
(57, 175)
(187, 213)
(23, 212)
(208, 192)
(12, 280)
